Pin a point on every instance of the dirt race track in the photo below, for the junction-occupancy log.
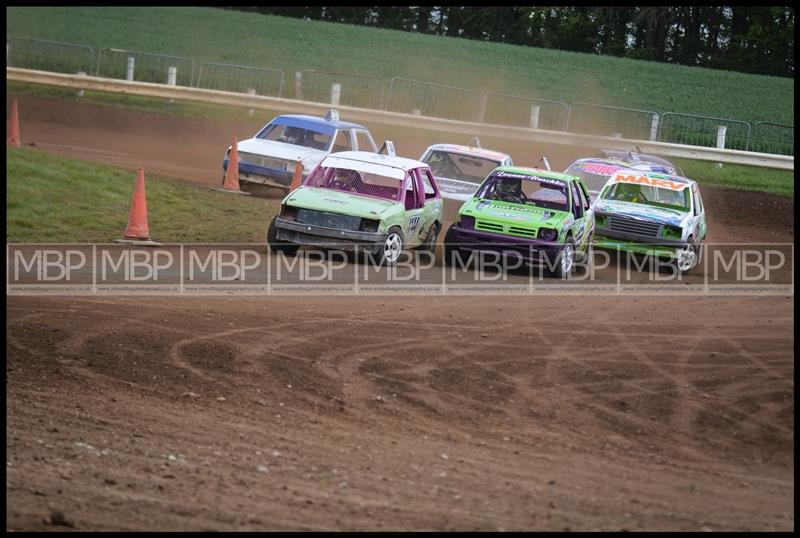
(392, 413)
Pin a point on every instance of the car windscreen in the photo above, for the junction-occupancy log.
(648, 194)
(528, 190)
(297, 136)
(451, 165)
(356, 182)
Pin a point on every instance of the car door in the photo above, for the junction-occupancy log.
(584, 222)
(588, 209)
(433, 204)
(415, 210)
(699, 214)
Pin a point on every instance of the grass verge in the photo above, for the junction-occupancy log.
(737, 176)
(54, 199)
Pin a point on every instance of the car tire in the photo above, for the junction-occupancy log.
(429, 244)
(391, 249)
(565, 261)
(289, 249)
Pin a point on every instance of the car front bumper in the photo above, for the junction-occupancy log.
(322, 236)
(261, 175)
(533, 251)
(640, 244)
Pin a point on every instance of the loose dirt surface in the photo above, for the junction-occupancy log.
(402, 413)
(395, 413)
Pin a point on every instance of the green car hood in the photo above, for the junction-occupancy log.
(338, 202)
(513, 214)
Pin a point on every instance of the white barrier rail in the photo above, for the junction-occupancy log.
(83, 82)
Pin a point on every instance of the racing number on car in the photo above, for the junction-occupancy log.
(413, 222)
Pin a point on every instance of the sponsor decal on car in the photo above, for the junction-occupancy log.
(599, 169)
(652, 181)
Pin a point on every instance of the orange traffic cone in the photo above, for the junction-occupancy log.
(232, 174)
(137, 232)
(297, 179)
(231, 182)
(13, 132)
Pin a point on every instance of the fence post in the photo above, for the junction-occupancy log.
(721, 130)
(298, 85)
(482, 107)
(172, 75)
(250, 91)
(81, 74)
(336, 92)
(654, 128)
(131, 64)
(535, 109)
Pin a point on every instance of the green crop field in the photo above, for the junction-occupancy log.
(209, 34)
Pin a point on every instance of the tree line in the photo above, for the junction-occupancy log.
(738, 38)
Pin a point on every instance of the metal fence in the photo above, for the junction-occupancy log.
(340, 89)
(504, 109)
(771, 137)
(44, 55)
(241, 79)
(602, 120)
(145, 67)
(429, 99)
(704, 131)
(404, 95)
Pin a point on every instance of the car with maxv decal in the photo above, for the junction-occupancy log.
(270, 157)
(358, 200)
(459, 170)
(538, 216)
(652, 214)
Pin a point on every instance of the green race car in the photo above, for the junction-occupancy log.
(381, 204)
(540, 216)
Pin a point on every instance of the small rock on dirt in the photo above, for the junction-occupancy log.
(57, 518)
(221, 399)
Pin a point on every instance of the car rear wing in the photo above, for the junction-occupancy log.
(387, 148)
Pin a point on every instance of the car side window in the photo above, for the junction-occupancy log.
(341, 142)
(577, 206)
(364, 141)
(427, 184)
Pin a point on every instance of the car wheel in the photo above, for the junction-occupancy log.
(389, 252)
(565, 260)
(290, 249)
(688, 258)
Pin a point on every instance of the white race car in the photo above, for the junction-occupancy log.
(270, 157)
(460, 170)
